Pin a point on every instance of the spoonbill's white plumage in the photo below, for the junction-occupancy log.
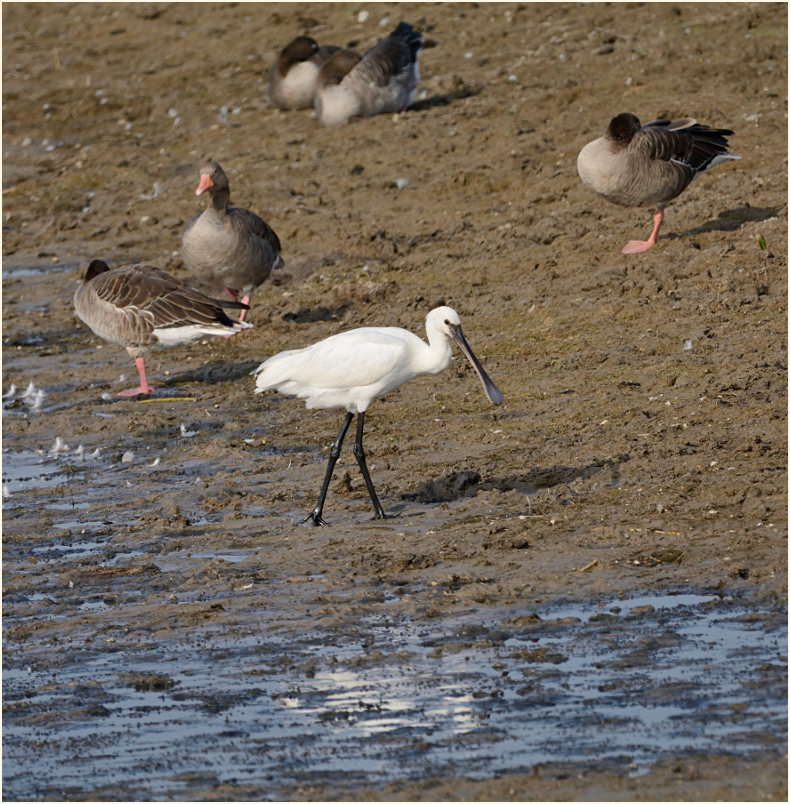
(350, 369)
(136, 306)
(639, 165)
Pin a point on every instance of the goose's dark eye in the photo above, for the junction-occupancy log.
(447, 322)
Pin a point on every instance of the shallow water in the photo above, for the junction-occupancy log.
(22, 470)
(630, 681)
(46, 268)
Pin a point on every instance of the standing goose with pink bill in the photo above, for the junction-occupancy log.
(227, 248)
(350, 369)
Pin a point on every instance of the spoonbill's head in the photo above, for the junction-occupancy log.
(444, 321)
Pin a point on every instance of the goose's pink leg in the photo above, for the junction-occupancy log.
(245, 300)
(640, 246)
(144, 387)
(234, 295)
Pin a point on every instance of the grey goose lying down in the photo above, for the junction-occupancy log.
(383, 79)
(292, 77)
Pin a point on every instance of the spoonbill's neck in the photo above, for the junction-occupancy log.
(437, 353)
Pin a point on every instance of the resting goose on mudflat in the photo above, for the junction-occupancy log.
(639, 165)
(383, 79)
(292, 77)
(136, 306)
(228, 248)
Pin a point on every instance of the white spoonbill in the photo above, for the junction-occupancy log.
(350, 369)
(138, 305)
(639, 165)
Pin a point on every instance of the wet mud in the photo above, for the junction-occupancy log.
(581, 593)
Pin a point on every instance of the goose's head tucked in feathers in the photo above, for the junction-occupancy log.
(292, 78)
(622, 128)
(94, 269)
(300, 49)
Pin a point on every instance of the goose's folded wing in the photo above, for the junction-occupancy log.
(693, 147)
(183, 307)
(132, 285)
(151, 290)
(385, 61)
(248, 222)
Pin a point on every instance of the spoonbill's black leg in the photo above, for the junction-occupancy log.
(334, 453)
(359, 454)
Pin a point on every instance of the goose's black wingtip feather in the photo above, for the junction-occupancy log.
(407, 33)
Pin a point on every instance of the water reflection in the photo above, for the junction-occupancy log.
(654, 676)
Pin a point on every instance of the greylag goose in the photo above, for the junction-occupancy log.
(292, 77)
(383, 79)
(136, 306)
(227, 248)
(648, 165)
(350, 369)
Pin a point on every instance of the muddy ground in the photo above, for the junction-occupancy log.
(641, 449)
